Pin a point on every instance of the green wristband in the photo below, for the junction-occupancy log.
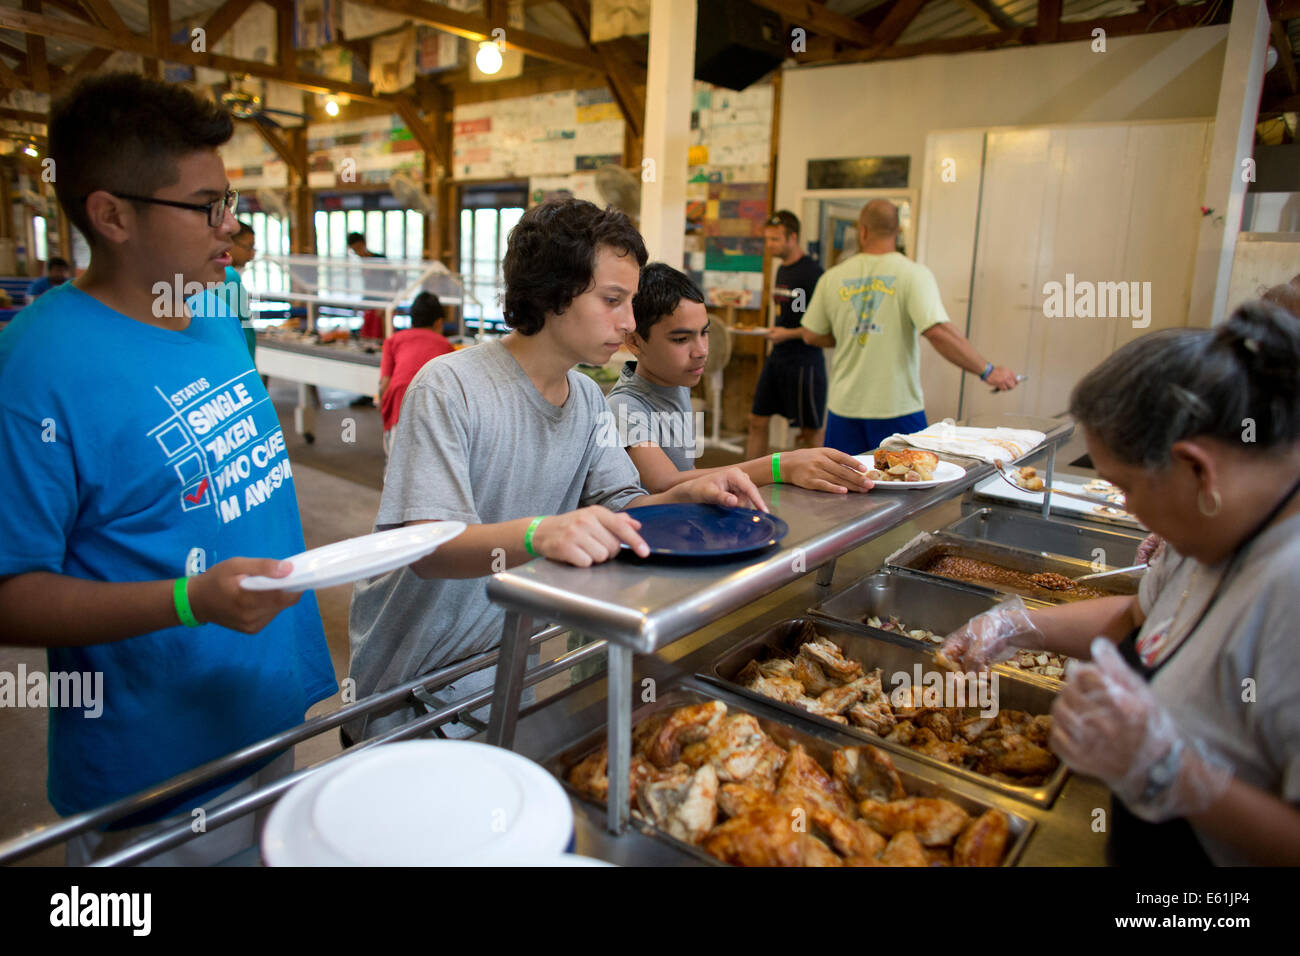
(776, 469)
(181, 598)
(528, 535)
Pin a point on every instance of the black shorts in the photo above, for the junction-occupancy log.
(793, 390)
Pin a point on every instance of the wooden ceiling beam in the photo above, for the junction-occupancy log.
(1282, 43)
(38, 71)
(816, 18)
(160, 24)
(107, 16)
(477, 29)
(282, 149)
(900, 15)
(420, 128)
(1049, 21)
(42, 26)
(222, 19)
(989, 14)
(622, 78)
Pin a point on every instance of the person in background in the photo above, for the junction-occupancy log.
(124, 514)
(1286, 295)
(56, 273)
(372, 320)
(650, 406)
(242, 251)
(1188, 707)
(793, 381)
(405, 353)
(871, 309)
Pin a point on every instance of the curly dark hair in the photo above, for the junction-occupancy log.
(551, 255)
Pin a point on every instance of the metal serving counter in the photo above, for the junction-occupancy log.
(644, 607)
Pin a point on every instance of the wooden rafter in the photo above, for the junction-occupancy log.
(989, 14)
(38, 71)
(285, 57)
(282, 149)
(107, 16)
(223, 18)
(1285, 54)
(816, 18)
(476, 28)
(8, 78)
(420, 128)
(1049, 21)
(621, 77)
(90, 61)
(36, 25)
(160, 24)
(891, 28)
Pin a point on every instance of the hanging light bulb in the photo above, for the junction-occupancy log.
(488, 59)
(30, 150)
(332, 106)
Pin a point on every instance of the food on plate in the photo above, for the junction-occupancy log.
(903, 464)
(984, 572)
(737, 794)
(1107, 510)
(1027, 478)
(1098, 486)
(1010, 747)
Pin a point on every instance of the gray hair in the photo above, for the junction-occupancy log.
(1186, 383)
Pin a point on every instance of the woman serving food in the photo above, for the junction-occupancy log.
(1189, 705)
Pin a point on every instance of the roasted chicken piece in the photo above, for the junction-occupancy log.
(935, 821)
(904, 849)
(809, 673)
(814, 706)
(591, 776)
(849, 837)
(737, 799)
(738, 749)
(867, 774)
(902, 733)
(766, 836)
(984, 841)
(1014, 754)
(938, 722)
(683, 727)
(831, 659)
(925, 741)
(939, 855)
(805, 783)
(776, 667)
(973, 729)
(873, 716)
(785, 689)
(683, 804)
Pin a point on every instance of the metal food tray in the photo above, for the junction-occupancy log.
(891, 654)
(1019, 530)
(934, 604)
(918, 553)
(919, 779)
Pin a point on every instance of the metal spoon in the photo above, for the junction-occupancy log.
(1112, 571)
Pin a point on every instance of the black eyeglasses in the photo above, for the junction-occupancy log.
(216, 209)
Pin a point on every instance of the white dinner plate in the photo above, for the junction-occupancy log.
(422, 803)
(944, 472)
(346, 561)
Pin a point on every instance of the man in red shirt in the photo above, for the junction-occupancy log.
(405, 353)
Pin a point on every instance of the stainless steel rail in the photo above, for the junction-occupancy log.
(643, 607)
(55, 833)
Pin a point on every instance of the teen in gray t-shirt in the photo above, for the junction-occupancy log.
(642, 411)
(467, 421)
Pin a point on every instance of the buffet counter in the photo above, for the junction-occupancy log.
(343, 366)
(667, 626)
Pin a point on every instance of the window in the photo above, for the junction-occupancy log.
(270, 238)
(486, 218)
(391, 232)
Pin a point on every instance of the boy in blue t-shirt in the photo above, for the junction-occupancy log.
(141, 459)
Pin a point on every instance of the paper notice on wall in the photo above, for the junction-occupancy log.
(392, 61)
(253, 37)
(288, 99)
(436, 50)
(360, 22)
(619, 18)
(313, 23)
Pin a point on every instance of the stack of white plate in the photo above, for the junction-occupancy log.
(423, 803)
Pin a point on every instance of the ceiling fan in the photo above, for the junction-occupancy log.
(249, 106)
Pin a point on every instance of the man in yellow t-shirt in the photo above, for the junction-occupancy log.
(871, 309)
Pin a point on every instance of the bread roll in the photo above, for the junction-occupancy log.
(911, 459)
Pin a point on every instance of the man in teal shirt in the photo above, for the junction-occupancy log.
(241, 254)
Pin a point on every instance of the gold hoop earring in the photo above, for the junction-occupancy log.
(1214, 497)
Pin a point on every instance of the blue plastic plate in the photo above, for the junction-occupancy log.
(706, 531)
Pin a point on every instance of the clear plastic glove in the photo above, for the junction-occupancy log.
(1107, 723)
(990, 637)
